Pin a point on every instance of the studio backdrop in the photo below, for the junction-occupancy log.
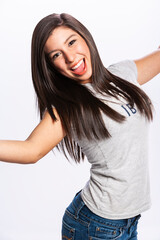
(33, 197)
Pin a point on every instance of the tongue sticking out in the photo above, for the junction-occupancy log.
(80, 69)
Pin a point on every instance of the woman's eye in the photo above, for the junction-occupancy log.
(56, 55)
(71, 42)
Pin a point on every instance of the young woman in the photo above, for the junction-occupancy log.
(89, 110)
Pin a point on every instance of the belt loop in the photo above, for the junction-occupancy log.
(134, 220)
(128, 223)
(79, 203)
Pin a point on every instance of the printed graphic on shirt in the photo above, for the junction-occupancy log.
(129, 109)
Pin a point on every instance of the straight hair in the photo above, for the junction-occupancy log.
(79, 110)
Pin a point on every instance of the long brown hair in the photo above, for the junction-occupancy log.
(77, 107)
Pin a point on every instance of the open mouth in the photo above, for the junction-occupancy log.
(80, 68)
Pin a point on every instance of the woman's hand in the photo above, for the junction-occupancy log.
(148, 66)
(44, 138)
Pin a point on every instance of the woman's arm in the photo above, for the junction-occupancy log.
(44, 138)
(148, 66)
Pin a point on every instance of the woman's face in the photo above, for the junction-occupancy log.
(69, 54)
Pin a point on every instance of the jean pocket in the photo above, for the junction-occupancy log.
(68, 232)
(106, 233)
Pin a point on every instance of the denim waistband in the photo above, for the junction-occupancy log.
(78, 208)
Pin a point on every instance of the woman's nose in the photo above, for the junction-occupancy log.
(69, 57)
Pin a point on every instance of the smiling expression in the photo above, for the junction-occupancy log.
(69, 54)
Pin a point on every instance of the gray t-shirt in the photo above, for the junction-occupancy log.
(118, 187)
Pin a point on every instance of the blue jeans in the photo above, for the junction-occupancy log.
(79, 223)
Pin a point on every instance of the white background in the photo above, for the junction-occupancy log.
(33, 197)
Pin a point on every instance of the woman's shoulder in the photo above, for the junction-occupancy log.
(125, 69)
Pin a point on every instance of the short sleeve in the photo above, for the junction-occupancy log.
(126, 69)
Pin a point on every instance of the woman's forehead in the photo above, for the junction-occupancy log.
(62, 31)
(59, 36)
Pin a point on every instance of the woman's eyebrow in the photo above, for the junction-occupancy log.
(64, 43)
(69, 38)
